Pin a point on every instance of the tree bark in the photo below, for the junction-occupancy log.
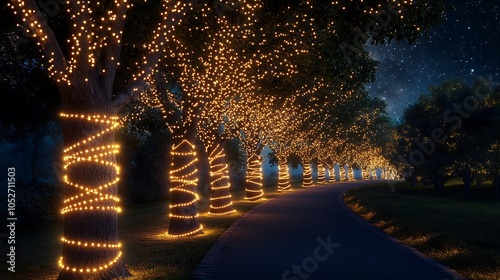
(183, 188)
(413, 180)
(90, 208)
(438, 184)
(307, 180)
(467, 178)
(342, 173)
(284, 177)
(220, 201)
(479, 180)
(321, 174)
(254, 178)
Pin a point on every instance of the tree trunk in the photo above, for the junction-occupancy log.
(307, 180)
(284, 176)
(496, 185)
(479, 180)
(413, 180)
(321, 173)
(203, 166)
(90, 243)
(366, 174)
(183, 188)
(220, 201)
(467, 178)
(350, 174)
(346, 173)
(438, 184)
(254, 178)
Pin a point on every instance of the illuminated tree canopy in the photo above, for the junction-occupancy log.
(287, 74)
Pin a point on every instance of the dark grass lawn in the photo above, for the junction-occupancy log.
(148, 253)
(457, 229)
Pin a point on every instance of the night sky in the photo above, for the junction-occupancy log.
(465, 45)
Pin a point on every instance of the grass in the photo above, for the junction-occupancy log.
(148, 253)
(460, 230)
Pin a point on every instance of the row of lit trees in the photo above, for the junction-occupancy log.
(252, 48)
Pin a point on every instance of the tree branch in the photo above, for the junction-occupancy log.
(172, 16)
(43, 35)
(113, 49)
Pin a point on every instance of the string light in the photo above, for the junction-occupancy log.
(183, 191)
(220, 202)
(284, 178)
(307, 181)
(91, 198)
(321, 173)
(253, 188)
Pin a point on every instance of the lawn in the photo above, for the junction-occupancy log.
(148, 253)
(457, 229)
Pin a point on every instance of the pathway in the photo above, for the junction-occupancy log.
(311, 234)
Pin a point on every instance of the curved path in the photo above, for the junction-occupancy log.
(311, 234)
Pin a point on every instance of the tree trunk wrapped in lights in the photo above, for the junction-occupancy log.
(327, 174)
(321, 173)
(254, 179)
(307, 180)
(90, 239)
(350, 173)
(220, 202)
(344, 172)
(184, 198)
(84, 65)
(284, 177)
(365, 174)
(337, 170)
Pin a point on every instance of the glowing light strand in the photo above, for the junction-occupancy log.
(321, 174)
(91, 198)
(183, 184)
(220, 202)
(284, 178)
(253, 188)
(307, 181)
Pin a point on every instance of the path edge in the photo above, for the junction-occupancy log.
(207, 267)
(406, 248)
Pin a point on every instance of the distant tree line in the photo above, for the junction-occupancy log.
(452, 132)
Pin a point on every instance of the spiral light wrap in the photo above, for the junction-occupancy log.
(184, 181)
(220, 202)
(346, 173)
(366, 174)
(91, 198)
(284, 178)
(254, 179)
(307, 180)
(350, 174)
(321, 174)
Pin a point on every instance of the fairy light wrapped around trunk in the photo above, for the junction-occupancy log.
(321, 173)
(91, 160)
(350, 174)
(284, 177)
(366, 174)
(344, 172)
(253, 188)
(220, 202)
(307, 180)
(183, 179)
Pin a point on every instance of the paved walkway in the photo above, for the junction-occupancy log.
(311, 234)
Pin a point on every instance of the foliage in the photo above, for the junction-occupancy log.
(451, 132)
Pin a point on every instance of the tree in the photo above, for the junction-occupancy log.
(84, 62)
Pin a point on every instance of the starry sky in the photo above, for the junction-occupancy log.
(465, 45)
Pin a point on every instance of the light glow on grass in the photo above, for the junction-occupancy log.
(453, 228)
